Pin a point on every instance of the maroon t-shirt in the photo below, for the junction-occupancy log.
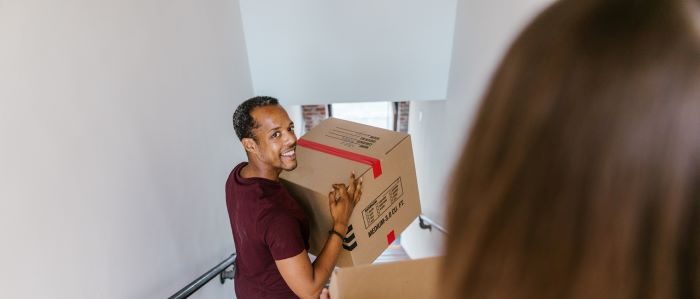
(268, 225)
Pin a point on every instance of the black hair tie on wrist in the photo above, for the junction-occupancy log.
(333, 231)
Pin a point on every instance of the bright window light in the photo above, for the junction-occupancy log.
(377, 114)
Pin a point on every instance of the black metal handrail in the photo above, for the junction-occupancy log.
(427, 223)
(206, 277)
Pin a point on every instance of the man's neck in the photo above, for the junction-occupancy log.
(253, 170)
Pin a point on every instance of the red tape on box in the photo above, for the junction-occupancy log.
(391, 237)
(375, 163)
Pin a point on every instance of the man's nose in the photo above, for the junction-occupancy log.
(291, 138)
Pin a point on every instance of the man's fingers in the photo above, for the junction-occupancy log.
(336, 190)
(357, 196)
(357, 193)
(331, 197)
(351, 187)
(353, 182)
(344, 193)
(355, 185)
(342, 190)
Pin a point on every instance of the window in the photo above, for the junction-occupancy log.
(387, 115)
(377, 114)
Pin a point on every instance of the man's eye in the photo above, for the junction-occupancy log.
(276, 134)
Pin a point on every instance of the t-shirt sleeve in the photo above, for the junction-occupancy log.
(282, 234)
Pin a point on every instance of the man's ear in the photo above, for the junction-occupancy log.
(249, 145)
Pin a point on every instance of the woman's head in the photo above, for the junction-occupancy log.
(581, 176)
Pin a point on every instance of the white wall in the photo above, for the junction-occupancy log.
(115, 143)
(319, 51)
(483, 31)
(296, 115)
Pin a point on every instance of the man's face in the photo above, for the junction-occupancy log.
(275, 138)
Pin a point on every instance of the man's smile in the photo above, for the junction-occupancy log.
(291, 154)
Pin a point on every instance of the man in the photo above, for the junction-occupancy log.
(270, 230)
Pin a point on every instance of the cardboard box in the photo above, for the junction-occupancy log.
(384, 159)
(399, 280)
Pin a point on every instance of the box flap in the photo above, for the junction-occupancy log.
(405, 279)
(356, 138)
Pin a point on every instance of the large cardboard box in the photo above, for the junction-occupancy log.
(398, 280)
(384, 159)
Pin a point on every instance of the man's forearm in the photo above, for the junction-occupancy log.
(325, 261)
(308, 279)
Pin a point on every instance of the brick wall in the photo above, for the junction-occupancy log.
(402, 118)
(313, 114)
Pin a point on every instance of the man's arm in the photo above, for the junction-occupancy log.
(306, 279)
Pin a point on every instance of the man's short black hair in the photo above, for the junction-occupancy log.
(243, 122)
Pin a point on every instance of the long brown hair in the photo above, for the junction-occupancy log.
(581, 176)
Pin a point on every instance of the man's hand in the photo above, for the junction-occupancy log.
(342, 201)
(306, 279)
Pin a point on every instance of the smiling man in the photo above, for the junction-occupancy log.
(270, 230)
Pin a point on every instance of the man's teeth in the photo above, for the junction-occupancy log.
(288, 154)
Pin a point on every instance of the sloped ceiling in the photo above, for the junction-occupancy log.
(326, 51)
